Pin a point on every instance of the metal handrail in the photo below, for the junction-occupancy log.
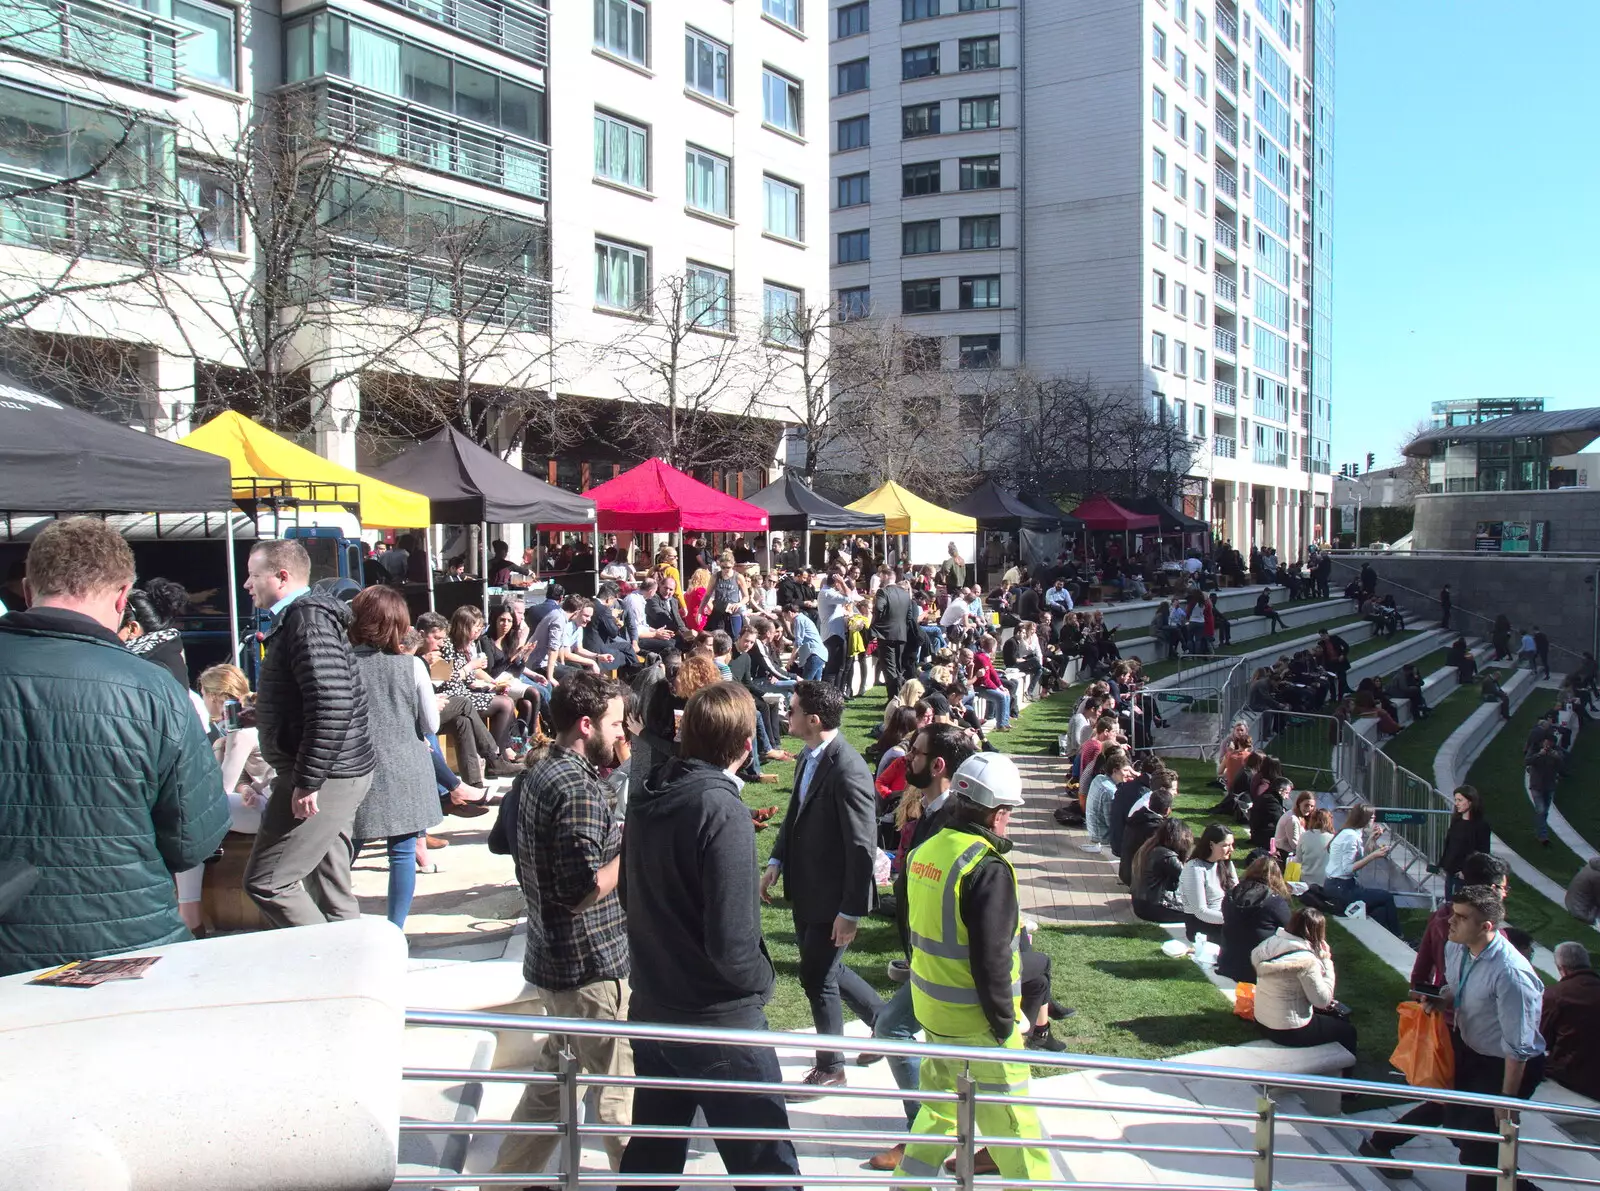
(1224, 447)
(1225, 341)
(1261, 1154)
(1227, 289)
(1226, 236)
(519, 29)
(1226, 24)
(96, 36)
(1225, 393)
(1227, 130)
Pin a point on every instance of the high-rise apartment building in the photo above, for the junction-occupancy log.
(1136, 190)
(686, 140)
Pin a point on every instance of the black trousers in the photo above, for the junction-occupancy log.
(694, 1061)
(1323, 1027)
(1486, 1075)
(1427, 1115)
(828, 984)
(889, 655)
(834, 670)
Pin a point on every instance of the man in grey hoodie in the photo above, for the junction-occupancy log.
(1583, 895)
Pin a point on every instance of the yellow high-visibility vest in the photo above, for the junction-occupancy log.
(942, 988)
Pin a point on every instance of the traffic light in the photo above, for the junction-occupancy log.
(1369, 460)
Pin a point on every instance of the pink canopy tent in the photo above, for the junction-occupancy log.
(657, 498)
(1100, 512)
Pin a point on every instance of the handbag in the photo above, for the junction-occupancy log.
(1423, 1053)
(1244, 1000)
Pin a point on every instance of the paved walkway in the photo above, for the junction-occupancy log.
(1060, 882)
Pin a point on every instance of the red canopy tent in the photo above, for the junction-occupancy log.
(657, 498)
(1100, 512)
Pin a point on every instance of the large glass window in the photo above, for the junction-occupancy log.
(919, 178)
(621, 276)
(780, 313)
(979, 293)
(853, 76)
(855, 190)
(620, 28)
(976, 5)
(917, 10)
(855, 132)
(212, 215)
(855, 246)
(978, 351)
(787, 11)
(982, 111)
(208, 50)
(919, 119)
(621, 152)
(782, 208)
(980, 173)
(919, 238)
(854, 19)
(780, 101)
(980, 231)
(978, 53)
(919, 297)
(707, 187)
(855, 303)
(919, 61)
(705, 65)
(708, 298)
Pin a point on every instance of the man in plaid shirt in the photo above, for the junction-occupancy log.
(568, 857)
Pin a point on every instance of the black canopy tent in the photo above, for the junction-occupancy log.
(792, 506)
(466, 484)
(55, 459)
(1039, 531)
(1172, 521)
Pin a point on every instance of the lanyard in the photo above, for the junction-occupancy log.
(1468, 966)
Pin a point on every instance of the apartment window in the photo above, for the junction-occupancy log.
(1180, 67)
(1200, 84)
(1180, 300)
(1200, 309)
(706, 176)
(1158, 350)
(208, 51)
(1182, 246)
(919, 178)
(1158, 289)
(978, 351)
(1200, 26)
(919, 119)
(1180, 125)
(1199, 420)
(212, 208)
(1180, 10)
(853, 76)
(1199, 364)
(1158, 228)
(1158, 44)
(1158, 167)
(923, 353)
(1200, 251)
(980, 231)
(982, 111)
(917, 10)
(853, 19)
(708, 298)
(978, 53)
(919, 61)
(919, 297)
(780, 101)
(855, 133)
(919, 238)
(1158, 106)
(976, 5)
(621, 275)
(855, 190)
(980, 173)
(783, 207)
(619, 28)
(1180, 184)
(621, 152)
(787, 11)
(979, 293)
(1200, 139)
(1200, 196)
(855, 303)
(1180, 367)
(780, 313)
(705, 65)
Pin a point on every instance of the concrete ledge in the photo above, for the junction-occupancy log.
(453, 1103)
(1354, 633)
(1269, 1058)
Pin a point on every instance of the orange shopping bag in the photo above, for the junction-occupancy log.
(1423, 1054)
(1244, 1000)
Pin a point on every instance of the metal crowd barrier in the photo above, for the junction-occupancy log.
(1258, 1162)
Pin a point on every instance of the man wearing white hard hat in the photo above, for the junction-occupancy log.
(966, 969)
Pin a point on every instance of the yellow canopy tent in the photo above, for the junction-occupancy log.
(256, 453)
(906, 512)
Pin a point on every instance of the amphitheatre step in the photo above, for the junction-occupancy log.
(449, 1103)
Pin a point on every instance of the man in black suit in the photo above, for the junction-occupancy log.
(894, 625)
(825, 851)
(605, 633)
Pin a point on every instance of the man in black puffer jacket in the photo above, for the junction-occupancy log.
(312, 716)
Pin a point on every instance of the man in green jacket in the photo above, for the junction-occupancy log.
(107, 783)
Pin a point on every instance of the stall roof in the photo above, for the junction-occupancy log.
(655, 497)
(996, 508)
(1171, 520)
(791, 505)
(57, 459)
(906, 512)
(465, 483)
(1069, 523)
(1100, 512)
(256, 453)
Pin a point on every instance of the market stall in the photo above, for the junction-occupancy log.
(1039, 532)
(792, 507)
(930, 530)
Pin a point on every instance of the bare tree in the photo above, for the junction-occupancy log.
(806, 362)
(690, 373)
(1412, 473)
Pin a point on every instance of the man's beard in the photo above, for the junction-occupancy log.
(922, 780)
(600, 753)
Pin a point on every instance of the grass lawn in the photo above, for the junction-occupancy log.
(1575, 795)
(1164, 669)
(1416, 747)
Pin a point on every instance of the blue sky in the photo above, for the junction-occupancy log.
(1466, 199)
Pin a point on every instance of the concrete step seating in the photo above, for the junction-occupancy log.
(1245, 627)
(1135, 614)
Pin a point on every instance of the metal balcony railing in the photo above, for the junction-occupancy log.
(1227, 130)
(88, 221)
(432, 140)
(367, 274)
(1223, 447)
(102, 38)
(1226, 236)
(1227, 290)
(1226, 183)
(1226, 342)
(516, 28)
(1248, 1146)
(1224, 393)
(1227, 26)
(1227, 77)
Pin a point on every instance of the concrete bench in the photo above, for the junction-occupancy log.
(1581, 1126)
(435, 1100)
(1269, 1058)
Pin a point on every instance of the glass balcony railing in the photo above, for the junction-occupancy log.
(1227, 26)
(1227, 290)
(1224, 448)
(364, 273)
(100, 38)
(1227, 131)
(431, 140)
(1224, 393)
(1226, 183)
(96, 222)
(1226, 342)
(516, 28)
(1227, 78)
(1226, 237)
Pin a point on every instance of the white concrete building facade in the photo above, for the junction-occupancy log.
(1123, 189)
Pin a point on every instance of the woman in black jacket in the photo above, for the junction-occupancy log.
(1266, 810)
(147, 627)
(1468, 833)
(1251, 911)
(1156, 869)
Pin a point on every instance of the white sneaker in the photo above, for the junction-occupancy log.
(1090, 847)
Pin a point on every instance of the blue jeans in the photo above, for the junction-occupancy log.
(1380, 902)
(898, 1020)
(811, 668)
(1541, 813)
(1001, 702)
(402, 851)
(443, 776)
